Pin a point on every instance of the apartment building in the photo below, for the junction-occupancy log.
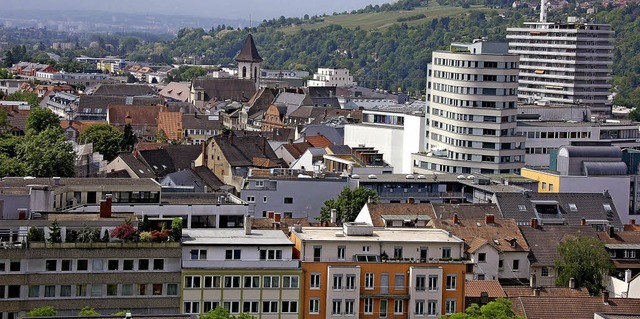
(356, 272)
(107, 276)
(564, 62)
(243, 270)
(472, 111)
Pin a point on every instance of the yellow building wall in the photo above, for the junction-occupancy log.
(547, 182)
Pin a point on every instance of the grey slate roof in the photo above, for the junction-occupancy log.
(139, 167)
(340, 149)
(200, 122)
(225, 89)
(590, 206)
(543, 241)
(332, 133)
(171, 159)
(249, 52)
(241, 150)
(125, 90)
(198, 177)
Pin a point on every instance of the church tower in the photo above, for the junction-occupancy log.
(249, 62)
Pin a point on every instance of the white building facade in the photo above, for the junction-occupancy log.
(332, 77)
(568, 62)
(472, 111)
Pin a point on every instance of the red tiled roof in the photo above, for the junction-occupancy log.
(139, 115)
(571, 307)
(474, 288)
(318, 141)
(523, 291)
(170, 123)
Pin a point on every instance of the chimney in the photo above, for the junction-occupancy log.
(247, 224)
(489, 219)
(627, 275)
(610, 231)
(455, 218)
(334, 216)
(534, 223)
(532, 281)
(583, 222)
(536, 292)
(105, 207)
(605, 297)
(572, 283)
(632, 221)
(231, 137)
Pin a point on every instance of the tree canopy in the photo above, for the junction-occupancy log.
(221, 313)
(498, 309)
(45, 311)
(586, 260)
(47, 154)
(40, 119)
(106, 139)
(348, 204)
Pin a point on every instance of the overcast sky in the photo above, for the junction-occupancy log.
(259, 9)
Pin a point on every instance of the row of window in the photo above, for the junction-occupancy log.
(475, 64)
(474, 77)
(252, 199)
(348, 282)
(90, 290)
(473, 90)
(268, 307)
(341, 307)
(469, 103)
(101, 265)
(236, 281)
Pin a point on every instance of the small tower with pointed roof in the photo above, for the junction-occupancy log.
(249, 62)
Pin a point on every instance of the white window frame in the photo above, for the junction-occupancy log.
(314, 305)
(368, 306)
(398, 306)
(314, 281)
(369, 281)
(452, 282)
(290, 282)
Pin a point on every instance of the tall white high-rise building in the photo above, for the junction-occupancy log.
(472, 111)
(564, 62)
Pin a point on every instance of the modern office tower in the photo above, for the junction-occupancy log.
(472, 111)
(564, 62)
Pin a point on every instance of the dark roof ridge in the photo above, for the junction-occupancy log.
(249, 52)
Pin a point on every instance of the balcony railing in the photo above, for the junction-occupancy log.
(277, 264)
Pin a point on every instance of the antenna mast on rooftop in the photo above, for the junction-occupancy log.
(543, 11)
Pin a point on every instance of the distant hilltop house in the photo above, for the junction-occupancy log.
(332, 77)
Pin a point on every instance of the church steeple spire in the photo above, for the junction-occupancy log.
(249, 61)
(249, 52)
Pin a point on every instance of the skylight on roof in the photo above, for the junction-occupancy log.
(522, 208)
(573, 207)
(607, 207)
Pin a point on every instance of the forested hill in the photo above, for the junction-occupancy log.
(389, 47)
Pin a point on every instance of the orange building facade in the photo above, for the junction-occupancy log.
(386, 274)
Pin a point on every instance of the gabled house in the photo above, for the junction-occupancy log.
(624, 247)
(230, 156)
(543, 242)
(274, 118)
(495, 246)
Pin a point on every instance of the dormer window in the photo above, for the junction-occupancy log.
(259, 183)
